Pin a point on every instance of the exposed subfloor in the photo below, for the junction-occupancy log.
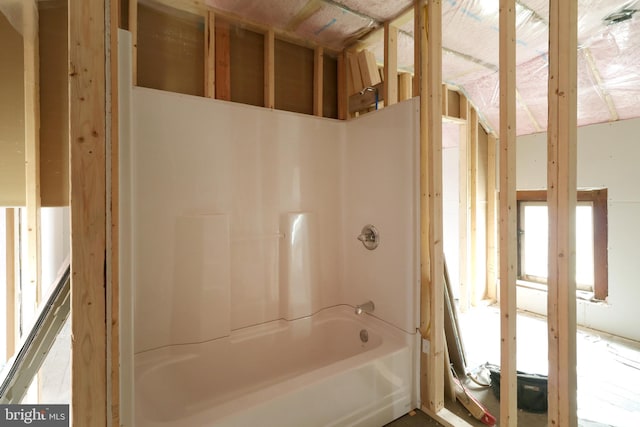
(608, 371)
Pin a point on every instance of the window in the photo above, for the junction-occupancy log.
(591, 240)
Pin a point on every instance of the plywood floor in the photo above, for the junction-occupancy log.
(608, 371)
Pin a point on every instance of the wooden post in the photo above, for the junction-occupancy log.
(223, 62)
(390, 64)
(508, 208)
(318, 75)
(492, 219)
(343, 91)
(32, 154)
(600, 233)
(417, 46)
(425, 273)
(481, 214)
(133, 28)
(464, 171)
(404, 86)
(87, 140)
(269, 69)
(473, 198)
(10, 295)
(210, 55)
(354, 71)
(561, 199)
(114, 227)
(429, 37)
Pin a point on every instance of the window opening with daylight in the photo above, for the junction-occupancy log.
(591, 241)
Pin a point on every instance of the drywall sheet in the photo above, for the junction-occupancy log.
(170, 50)
(247, 66)
(12, 173)
(294, 77)
(607, 158)
(54, 104)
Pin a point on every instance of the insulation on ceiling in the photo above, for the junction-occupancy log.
(333, 26)
(608, 59)
(276, 14)
(608, 52)
(380, 10)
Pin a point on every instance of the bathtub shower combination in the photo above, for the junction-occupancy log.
(248, 239)
(334, 368)
(338, 366)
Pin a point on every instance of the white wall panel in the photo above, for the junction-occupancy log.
(607, 157)
(381, 173)
(195, 156)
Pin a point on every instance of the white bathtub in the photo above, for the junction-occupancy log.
(314, 371)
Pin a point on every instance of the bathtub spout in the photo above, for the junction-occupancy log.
(367, 307)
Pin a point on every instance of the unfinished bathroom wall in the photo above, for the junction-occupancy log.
(246, 59)
(170, 50)
(54, 103)
(12, 174)
(330, 87)
(212, 185)
(294, 77)
(382, 189)
(607, 157)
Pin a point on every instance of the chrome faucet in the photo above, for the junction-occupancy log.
(367, 307)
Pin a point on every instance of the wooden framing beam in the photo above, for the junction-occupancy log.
(318, 77)
(481, 214)
(133, 28)
(223, 61)
(474, 129)
(354, 73)
(417, 45)
(527, 110)
(210, 55)
(508, 211)
(390, 64)
(600, 86)
(492, 220)
(359, 102)
(32, 151)
(600, 234)
(368, 68)
(561, 200)
(10, 295)
(303, 14)
(113, 232)
(429, 39)
(270, 70)
(343, 91)
(405, 86)
(88, 140)
(464, 170)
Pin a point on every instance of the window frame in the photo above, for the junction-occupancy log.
(598, 200)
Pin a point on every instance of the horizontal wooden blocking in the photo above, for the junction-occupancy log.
(362, 101)
(368, 68)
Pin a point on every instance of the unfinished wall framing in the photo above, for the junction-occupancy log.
(200, 51)
(254, 66)
(170, 50)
